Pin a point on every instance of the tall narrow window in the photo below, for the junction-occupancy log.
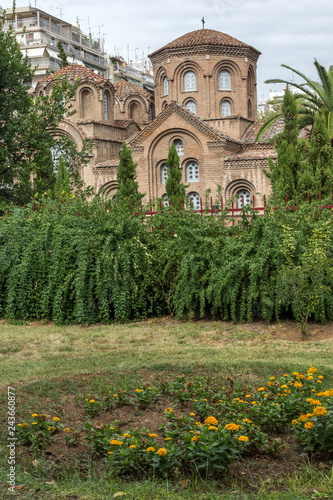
(190, 81)
(191, 106)
(192, 172)
(105, 99)
(244, 198)
(179, 147)
(249, 110)
(164, 173)
(151, 112)
(224, 80)
(194, 200)
(225, 109)
(166, 85)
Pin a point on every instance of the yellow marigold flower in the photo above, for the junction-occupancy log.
(199, 424)
(232, 427)
(211, 421)
(149, 388)
(114, 441)
(254, 402)
(195, 400)
(325, 394)
(310, 377)
(284, 386)
(167, 439)
(243, 438)
(266, 395)
(138, 390)
(34, 415)
(162, 452)
(212, 428)
(115, 395)
(248, 395)
(132, 446)
(192, 414)
(169, 410)
(153, 435)
(110, 452)
(34, 423)
(295, 373)
(260, 389)
(126, 435)
(269, 384)
(195, 438)
(51, 428)
(313, 390)
(25, 425)
(247, 421)
(320, 377)
(205, 400)
(287, 391)
(304, 418)
(277, 404)
(318, 381)
(56, 419)
(272, 378)
(308, 425)
(91, 401)
(286, 374)
(67, 429)
(300, 376)
(312, 370)
(19, 425)
(150, 449)
(320, 411)
(295, 422)
(298, 384)
(315, 402)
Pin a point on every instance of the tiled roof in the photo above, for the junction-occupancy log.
(276, 128)
(252, 155)
(123, 123)
(203, 37)
(75, 72)
(124, 88)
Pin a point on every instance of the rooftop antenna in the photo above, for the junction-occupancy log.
(203, 22)
(60, 9)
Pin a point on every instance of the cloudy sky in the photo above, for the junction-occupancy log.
(291, 32)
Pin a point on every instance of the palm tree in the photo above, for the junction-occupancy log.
(313, 98)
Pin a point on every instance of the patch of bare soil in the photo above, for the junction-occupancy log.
(288, 330)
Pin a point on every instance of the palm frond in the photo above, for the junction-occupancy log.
(265, 126)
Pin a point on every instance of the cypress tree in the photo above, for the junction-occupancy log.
(175, 190)
(62, 55)
(317, 175)
(63, 181)
(285, 171)
(126, 177)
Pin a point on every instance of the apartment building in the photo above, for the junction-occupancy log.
(38, 34)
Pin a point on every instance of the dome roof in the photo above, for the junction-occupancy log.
(203, 37)
(75, 72)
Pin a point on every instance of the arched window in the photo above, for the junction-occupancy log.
(191, 106)
(166, 86)
(189, 81)
(134, 111)
(250, 81)
(179, 147)
(192, 172)
(164, 105)
(164, 173)
(194, 200)
(224, 80)
(151, 112)
(105, 101)
(165, 200)
(86, 103)
(249, 110)
(225, 109)
(244, 198)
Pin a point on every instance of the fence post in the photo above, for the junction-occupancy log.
(201, 206)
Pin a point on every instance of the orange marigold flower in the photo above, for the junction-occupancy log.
(195, 438)
(211, 421)
(150, 449)
(153, 435)
(312, 370)
(260, 389)
(243, 438)
(232, 427)
(320, 411)
(162, 452)
(308, 425)
(212, 428)
(132, 446)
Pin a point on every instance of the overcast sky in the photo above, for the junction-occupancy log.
(291, 32)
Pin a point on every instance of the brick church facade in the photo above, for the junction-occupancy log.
(205, 102)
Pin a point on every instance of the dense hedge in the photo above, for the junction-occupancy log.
(78, 263)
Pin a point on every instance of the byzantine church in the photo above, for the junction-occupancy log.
(204, 101)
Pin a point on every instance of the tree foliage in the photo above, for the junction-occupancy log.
(28, 127)
(127, 191)
(175, 190)
(313, 98)
(62, 55)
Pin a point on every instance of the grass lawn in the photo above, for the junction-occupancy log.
(54, 369)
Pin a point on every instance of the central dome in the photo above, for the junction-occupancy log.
(203, 37)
